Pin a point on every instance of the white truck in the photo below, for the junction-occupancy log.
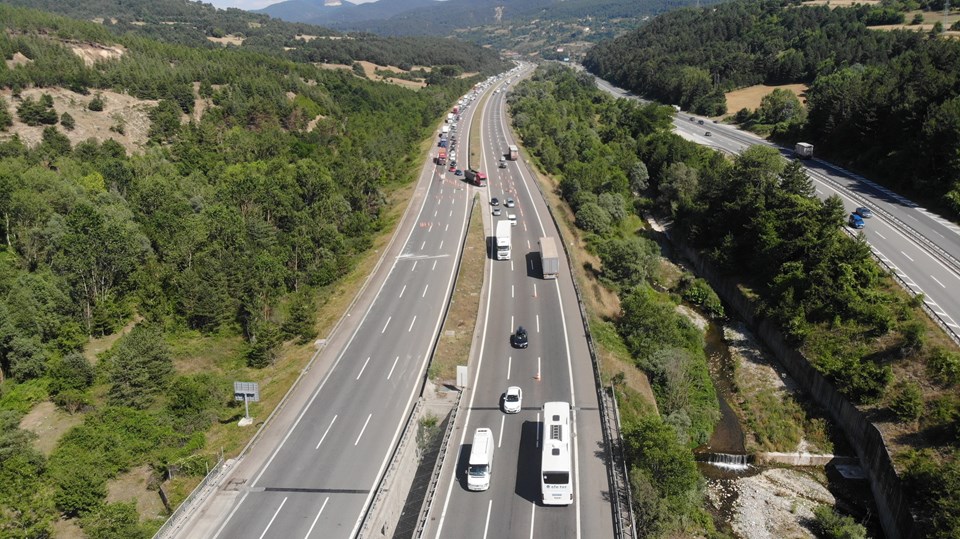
(514, 152)
(480, 465)
(549, 261)
(803, 150)
(445, 129)
(503, 232)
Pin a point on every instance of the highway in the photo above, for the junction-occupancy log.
(515, 294)
(315, 470)
(922, 248)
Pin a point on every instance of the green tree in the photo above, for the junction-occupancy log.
(67, 121)
(836, 526)
(592, 218)
(780, 105)
(301, 322)
(629, 261)
(97, 103)
(195, 400)
(264, 345)
(139, 368)
(6, 120)
(907, 402)
(165, 121)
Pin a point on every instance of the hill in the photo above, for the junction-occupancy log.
(204, 26)
(871, 103)
(318, 12)
(174, 218)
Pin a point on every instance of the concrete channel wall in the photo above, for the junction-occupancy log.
(866, 439)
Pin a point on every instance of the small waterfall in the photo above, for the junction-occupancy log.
(726, 461)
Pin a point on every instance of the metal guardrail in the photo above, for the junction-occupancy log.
(186, 504)
(437, 469)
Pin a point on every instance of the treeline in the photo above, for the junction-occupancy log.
(885, 102)
(228, 228)
(191, 23)
(756, 218)
(590, 141)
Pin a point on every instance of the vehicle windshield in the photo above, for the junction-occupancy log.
(512, 398)
(479, 470)
(556, 478)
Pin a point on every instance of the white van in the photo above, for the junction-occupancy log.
(481, 460)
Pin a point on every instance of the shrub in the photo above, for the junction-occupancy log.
(97, 103)
(67, 121)
(907, 402)
(944, 366)
(34, 113)
(836, 526)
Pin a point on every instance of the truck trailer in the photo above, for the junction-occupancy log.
(803, 150)
(442, 157)
(549, 261)
(514, 153)
(503, 232)
(476, 177)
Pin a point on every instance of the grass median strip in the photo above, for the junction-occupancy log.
(456, 338)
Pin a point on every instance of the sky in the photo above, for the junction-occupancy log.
(257, 4)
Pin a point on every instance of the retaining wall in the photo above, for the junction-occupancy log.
(866, 439)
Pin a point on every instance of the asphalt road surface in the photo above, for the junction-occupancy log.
(516, 294)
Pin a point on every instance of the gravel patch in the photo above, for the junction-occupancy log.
(777, 503)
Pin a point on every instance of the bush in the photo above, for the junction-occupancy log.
(836, 526)
(592, 218)
(699, 292)
(97, 103)
(907, 402)
(944, 366)
(34, 113)
(67, 121)
(115, 521)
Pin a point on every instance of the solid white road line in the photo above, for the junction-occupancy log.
(509, 365)
(320, 512)
(393, 367)
(274, 517)
(363, 429)
(385, 325)
(324, 437)
(362, 368)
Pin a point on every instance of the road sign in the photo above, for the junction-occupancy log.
(246, 392)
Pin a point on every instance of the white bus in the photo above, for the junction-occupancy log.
(556, 464)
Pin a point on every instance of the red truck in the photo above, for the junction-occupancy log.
(442, 157)
(476, 177)
(456, 110)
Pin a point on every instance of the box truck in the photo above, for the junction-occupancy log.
(549, 261)
(503, 232)
(803, 150)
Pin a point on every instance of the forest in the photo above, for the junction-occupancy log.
(193, 23)
(615, 159)
(224, 232)
(883, 102)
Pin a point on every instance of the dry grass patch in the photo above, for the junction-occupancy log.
(227, 40)
(92, 53)
(841, 3)
(456, 337)
(49, 423)
(18, 59)
(123, 109)
(67, 529)
(750, 97)
(136, 485)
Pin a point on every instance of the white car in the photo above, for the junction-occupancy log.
(496, 212)
(513, 218)
(509, 203)
(512, 400)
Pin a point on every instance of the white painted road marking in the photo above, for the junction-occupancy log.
(363, 429)
(394, 367)
(362, 368)
(275, 517)
(326, 432)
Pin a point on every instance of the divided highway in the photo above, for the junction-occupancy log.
(516, 294)
(315, 470)
(923, 249)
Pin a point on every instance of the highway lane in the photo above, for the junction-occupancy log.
(321, 477)
(517, 295)
(923, 249)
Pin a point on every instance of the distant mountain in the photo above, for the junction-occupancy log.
(339, 12)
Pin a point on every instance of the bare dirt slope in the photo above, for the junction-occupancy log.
(119, 109)
(750, 97)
